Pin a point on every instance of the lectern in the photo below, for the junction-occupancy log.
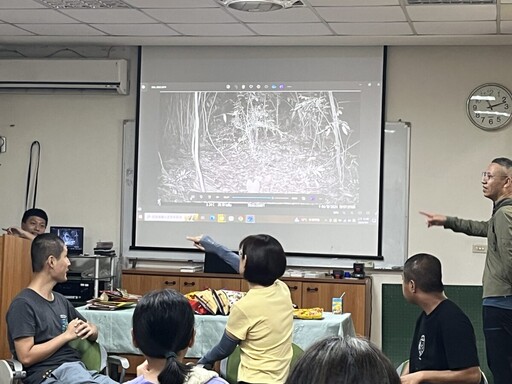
(15, 274)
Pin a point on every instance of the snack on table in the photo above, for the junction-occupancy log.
(308, 313)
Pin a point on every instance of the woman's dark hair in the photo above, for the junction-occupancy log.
(343, 360)
(266, 260)
(44, 246)
(163, 325)
(425, 270)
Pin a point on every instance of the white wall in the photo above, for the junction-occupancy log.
(81, 141)
(81, 149)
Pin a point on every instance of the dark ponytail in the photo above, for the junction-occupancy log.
(163, 325)
(174, 372)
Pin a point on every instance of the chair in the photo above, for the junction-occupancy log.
(229, 366)
(93, 355)
(401, 367)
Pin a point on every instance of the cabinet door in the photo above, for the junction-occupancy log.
(321, 294)
(190, 284)
(296, 292)
(140, 284)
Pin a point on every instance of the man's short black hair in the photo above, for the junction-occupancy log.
(35, 212)
(266, 260)
(43, 246)
(425, 270)
(504, 162)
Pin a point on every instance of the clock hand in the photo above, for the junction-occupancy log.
(490, 106)
(495, 105)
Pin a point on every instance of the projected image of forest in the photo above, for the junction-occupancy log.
(258, 143)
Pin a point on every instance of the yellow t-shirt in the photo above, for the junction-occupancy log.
(263, 321)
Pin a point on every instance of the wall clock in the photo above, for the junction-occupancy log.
(489, 106)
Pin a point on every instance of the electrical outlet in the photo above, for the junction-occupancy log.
(479, 248)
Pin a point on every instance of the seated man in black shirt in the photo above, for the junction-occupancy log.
(443, 348)
(42, 323)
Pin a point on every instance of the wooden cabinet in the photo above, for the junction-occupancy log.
(15, 274)
(305, 293)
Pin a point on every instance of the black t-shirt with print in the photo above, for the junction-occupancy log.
(443, 340)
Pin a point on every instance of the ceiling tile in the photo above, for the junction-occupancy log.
(343, 3)
(372, 29)
(30, 16)
(361, 14)
(462, 12)
(292, 15)
(455, 28)
(212, 29)
(11, 30)
(61, 29)
(506, 12)
(172, 3)
(136, 29)
(113, 16)
(291, 29)
(19, 4)
(197, 15)
(506, 27)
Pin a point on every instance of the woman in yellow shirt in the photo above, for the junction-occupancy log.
(262, 321)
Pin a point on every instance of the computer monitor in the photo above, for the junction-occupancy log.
(73, 237)
(214, 264)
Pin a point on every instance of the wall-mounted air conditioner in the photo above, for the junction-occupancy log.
(27, 75)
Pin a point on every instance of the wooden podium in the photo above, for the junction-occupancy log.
(15, 274)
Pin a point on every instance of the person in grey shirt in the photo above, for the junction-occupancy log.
(497, 277)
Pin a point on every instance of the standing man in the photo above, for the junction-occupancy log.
(443, 349)
(41, 323)
(497, 278)
(33, 223)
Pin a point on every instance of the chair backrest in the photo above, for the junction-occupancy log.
(483, 379)
(92, 354)
(229, 370)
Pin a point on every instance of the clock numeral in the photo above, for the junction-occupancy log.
(474, 107)
(498, 119)
(506, 106)
(477, 115)
(491, 122)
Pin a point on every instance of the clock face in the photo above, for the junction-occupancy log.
(489, 106)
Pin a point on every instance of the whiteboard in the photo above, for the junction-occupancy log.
(395, 209)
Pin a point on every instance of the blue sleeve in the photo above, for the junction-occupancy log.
(229, 257)
(223, 349)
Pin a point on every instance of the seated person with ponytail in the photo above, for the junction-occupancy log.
(262, 321)
(163, 329)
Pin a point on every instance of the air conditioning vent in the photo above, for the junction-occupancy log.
(260, 5)
(99, 75)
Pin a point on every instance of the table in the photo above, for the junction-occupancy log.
(115, 330)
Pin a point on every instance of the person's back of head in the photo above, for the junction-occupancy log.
(343, 360)
(265, 259)
(425, 270)
(163, 325)
(44, 246)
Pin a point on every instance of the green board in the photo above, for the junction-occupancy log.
(399, 318)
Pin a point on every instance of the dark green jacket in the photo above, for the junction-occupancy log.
(497, 279)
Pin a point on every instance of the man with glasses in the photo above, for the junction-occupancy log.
(497, 278)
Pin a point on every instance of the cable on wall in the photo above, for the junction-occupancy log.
(35, 154)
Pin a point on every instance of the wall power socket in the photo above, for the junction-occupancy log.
(479, 248)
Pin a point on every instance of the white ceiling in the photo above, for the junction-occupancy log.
(206, 22)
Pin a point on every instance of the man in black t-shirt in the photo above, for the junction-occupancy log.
(443, 348)
(42, 323)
